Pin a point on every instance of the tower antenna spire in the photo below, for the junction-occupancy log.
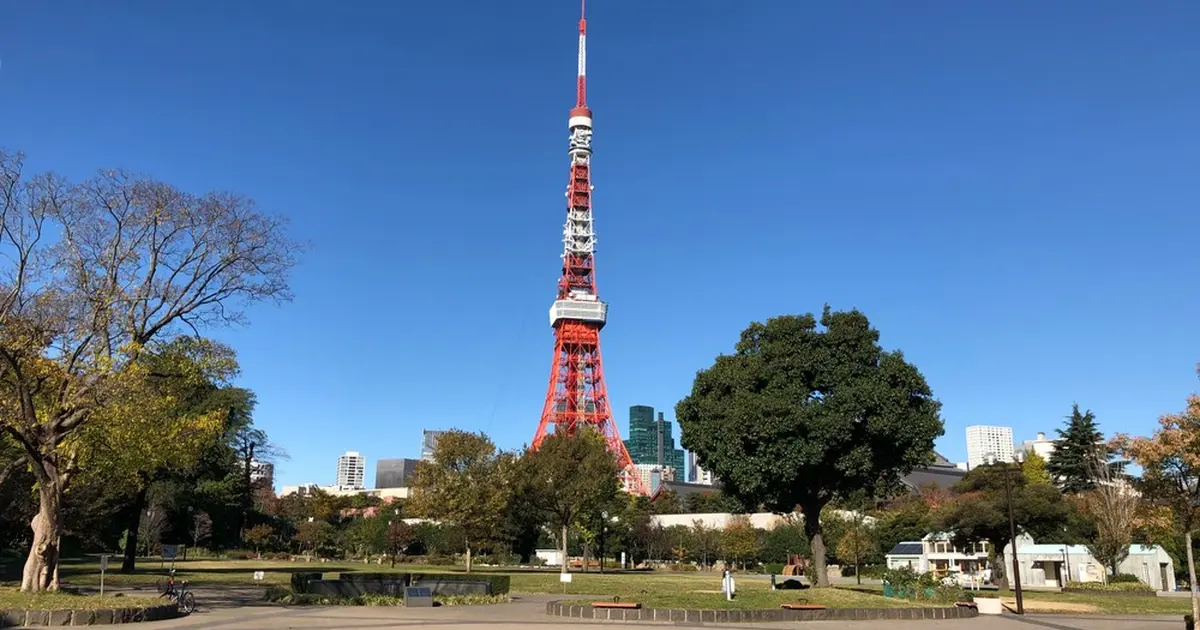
(581, 86)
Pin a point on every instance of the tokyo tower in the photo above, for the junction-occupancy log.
(577, 395)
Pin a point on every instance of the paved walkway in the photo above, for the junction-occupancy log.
(240, 609)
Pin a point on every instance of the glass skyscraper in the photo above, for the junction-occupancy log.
(650, 439)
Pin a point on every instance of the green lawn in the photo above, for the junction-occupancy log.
(695, 591)
(11, 599)
(657, 590)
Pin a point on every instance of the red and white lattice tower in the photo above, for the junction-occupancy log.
(577, 395)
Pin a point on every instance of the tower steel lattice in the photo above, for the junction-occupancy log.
(577, 395)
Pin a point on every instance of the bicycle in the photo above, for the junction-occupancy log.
(182, 597)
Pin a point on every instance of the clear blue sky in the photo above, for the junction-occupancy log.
(1008, 189)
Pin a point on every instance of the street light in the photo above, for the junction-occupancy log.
(990, 459)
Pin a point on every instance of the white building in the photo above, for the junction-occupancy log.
(311, 488)
(1048, 566)
(1041, 446)
(429, 440)
(696, 474)
(1052, 565)
(983, 440)
(653, 475)
(262, 471)
(760, 520)
(351, 470)
(935, 553)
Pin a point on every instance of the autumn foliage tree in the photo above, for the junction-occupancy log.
(1170, 462)
(94, 274)
(800, 415)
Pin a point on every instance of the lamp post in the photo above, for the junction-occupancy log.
(991, 459)
(603, 528)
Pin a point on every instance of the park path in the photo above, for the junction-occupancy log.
(242, 608)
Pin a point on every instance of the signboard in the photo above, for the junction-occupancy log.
(259, 575)
(170, 552)
(565, 578)
(418, 597)
(103, 568)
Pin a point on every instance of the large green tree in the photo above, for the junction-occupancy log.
(1080, 443)
(93, 274)
(981, 510)
(572, 479)
(799, 415)
(468, 485)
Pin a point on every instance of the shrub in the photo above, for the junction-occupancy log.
(683, 567)
(1124, 578)
(773, 568)
(300, 581)
(872, 571)
(277, 593)
(469, 600)
(1126, 587)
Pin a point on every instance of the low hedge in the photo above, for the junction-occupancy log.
(500, 584)
(1111, 587)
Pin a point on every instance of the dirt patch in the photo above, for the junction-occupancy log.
(1033, 605)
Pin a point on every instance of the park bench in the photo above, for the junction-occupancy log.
(624, 605)
(802, 606)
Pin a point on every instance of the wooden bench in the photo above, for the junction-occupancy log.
(802, 607)
(625, 605)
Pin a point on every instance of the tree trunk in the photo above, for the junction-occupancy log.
(812, 529)
(1187, 538)
(564, 551)
(41, 567)
(468, 558)
(129, 562)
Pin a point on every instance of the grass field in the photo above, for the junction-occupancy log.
(659, 590)
(11, 599)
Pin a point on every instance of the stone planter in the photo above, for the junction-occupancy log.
(102, 617)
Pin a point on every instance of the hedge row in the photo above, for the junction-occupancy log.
(500, 583)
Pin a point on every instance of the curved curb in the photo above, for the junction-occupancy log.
(100, 617)
(559, 609)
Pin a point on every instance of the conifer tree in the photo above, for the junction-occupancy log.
(1079, 444)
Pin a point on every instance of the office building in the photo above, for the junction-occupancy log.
(983, 440)
(1042, 446)
(654, 475)
(394, 473)
(696, 474)
(429, 440)
(351, 471)
(262, 473)
(650, 441)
